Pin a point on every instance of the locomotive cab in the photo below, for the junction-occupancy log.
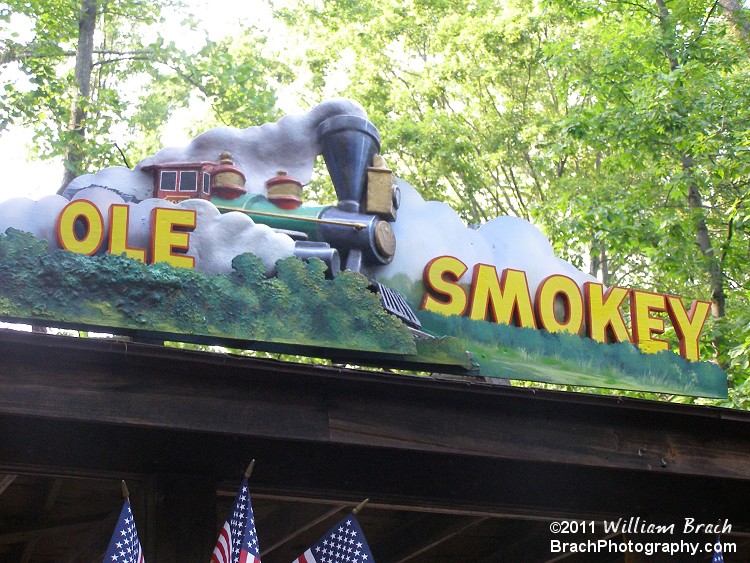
(178, 181)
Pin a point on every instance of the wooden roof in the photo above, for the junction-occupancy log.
(456, 471)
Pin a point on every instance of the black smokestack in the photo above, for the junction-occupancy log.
(348, 144)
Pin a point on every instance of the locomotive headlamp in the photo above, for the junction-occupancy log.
(385, 239)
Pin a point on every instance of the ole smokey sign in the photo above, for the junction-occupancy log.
(213, 242)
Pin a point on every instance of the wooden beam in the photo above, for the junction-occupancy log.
(6, 482)
(422, 506)
(419, 548)
(298, 531)
(615, 440)
(399, 536)
(391, 478)
(180, 522)
(94, 544)
(520, 541)
(44, 530)
(79, 379)
(46, 508)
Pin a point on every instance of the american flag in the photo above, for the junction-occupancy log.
(238, 541)
(717, 556)
(344, 543)
(124, 546)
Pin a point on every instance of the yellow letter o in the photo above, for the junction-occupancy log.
(65, 229)
(546, 294)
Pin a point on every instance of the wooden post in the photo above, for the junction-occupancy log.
(180, 518)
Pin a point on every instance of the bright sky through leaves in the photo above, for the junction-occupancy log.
(28, 177)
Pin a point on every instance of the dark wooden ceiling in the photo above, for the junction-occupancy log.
(456, 471)
(48, 519)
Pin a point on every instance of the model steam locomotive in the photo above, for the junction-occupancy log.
(354, 232)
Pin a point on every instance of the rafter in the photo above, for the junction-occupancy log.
(418, 548)
(302, 529)
(6, 482)
(47, 529)
(49, 503)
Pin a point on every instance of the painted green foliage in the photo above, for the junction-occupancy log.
(297, 306)
(566, 359)
(537, 355)
(300, 307)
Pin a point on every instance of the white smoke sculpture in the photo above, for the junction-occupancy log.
(428, 229)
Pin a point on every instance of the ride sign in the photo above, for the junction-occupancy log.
(213, 242)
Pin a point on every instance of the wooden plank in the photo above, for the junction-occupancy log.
(46, 508)
(430, 481)
(6, 482)
(180, 522)
(94, 542)
(623, 442)
(158, 388)
(408, 535)
(48, 529)
(288, 527)
(426, 545)
(518, 541)
(130, 390)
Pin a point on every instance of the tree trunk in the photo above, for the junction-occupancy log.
(599, 262)
(694, 199)
(604, 264)
(703, 237)
(738, 17)
(714, 266)
(594, 263)
(74, 155)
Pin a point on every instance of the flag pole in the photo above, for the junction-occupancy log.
(125, 492)
(249, 470)
(360, 506)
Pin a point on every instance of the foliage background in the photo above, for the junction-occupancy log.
(620, 128)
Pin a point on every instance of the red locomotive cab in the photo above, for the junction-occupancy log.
(178, 181)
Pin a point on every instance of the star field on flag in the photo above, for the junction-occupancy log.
(717, 556)
(238, 540)
(124, 546)
(344, 543)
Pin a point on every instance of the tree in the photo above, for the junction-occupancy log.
(84, 66)
(463, 90)
(619, 127)
(72, 109)
(677, 99)
(126, 80)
